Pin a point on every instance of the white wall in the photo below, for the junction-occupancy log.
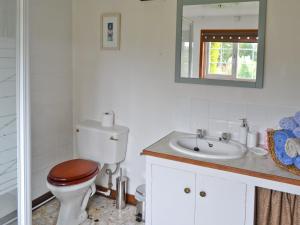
(51, 87)
(138, 81)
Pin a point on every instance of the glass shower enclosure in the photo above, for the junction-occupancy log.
(8, 111)
(13, 123)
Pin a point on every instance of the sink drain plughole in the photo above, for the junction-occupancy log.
(197, 149)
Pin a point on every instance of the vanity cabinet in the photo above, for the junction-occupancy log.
(187, 190)
(185, 197)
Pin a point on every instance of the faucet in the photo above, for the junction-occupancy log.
(200, 133)
(225, 136)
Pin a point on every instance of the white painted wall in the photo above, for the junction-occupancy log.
(138, 81)
(51, 87)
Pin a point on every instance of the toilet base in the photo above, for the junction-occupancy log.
(73, 202)
(71, 214)
(64, 218)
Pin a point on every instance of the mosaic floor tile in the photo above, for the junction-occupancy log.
(101, 211)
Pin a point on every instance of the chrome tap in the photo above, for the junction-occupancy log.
(225, 137)
(200, 133)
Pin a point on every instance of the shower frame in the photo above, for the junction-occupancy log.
(23, 118)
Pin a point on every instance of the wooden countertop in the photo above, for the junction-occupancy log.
(250, 165)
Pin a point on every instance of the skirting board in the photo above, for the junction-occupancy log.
(129, 198)
(40, 201)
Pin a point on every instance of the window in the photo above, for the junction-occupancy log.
(229, 54)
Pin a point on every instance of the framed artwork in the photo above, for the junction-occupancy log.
(111, 31)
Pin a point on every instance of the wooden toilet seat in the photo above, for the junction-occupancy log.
(73, 172)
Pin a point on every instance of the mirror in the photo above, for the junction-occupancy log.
(221, 42)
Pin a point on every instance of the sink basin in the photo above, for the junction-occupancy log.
(208, 147)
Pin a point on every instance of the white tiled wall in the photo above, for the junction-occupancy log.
(137, 82)
(217, 116)
(51, 87)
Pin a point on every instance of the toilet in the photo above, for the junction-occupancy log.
(73, 182)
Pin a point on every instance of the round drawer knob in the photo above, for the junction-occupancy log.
(187, 190)
(203, 194)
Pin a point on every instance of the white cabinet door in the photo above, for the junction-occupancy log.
(220, 201)
(173, 196)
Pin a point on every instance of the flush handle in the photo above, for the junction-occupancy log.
(113, 139)
(187, 190)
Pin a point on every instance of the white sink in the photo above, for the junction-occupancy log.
(208, 147)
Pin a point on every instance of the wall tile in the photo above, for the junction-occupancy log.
(180, 113)
(216, 127)
(236, 112)
(199, 113)
(218, 110)
(234, 129)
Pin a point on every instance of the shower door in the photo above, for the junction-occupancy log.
(12, 113)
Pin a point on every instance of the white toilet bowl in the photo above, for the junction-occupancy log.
(74, 193)
(73, 201)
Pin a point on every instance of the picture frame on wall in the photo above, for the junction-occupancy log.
(111, 31)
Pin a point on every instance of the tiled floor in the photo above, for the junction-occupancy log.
(102, 211)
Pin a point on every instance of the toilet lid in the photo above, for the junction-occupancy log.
(73, 171)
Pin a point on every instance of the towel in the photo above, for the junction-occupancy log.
(292, 147)
(297, 162)
(297, 118)
(283, 157)
(280, 138)
(297, 132)
(288, 123)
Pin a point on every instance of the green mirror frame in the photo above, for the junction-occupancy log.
(260, 54)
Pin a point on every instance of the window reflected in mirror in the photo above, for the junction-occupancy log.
(228, 54)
